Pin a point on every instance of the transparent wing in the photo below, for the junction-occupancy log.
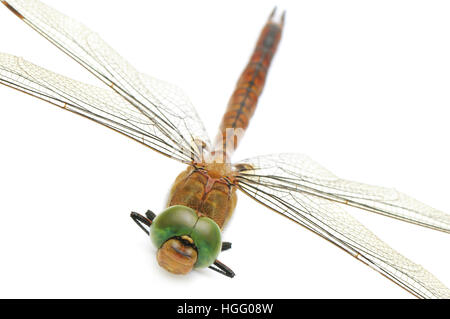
(165, 106)
(103, 106)
(302, 173)
(274, 184)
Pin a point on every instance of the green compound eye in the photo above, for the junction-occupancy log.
(181, 220)
(174, 221)
(207, 239)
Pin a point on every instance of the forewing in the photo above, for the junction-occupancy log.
(302, 173)
(167, 108)
(101, 105)
(266, 183)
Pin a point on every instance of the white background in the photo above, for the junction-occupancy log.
(362, 87)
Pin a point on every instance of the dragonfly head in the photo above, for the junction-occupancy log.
(184, 239)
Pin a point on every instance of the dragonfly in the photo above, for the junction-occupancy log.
(158, 115)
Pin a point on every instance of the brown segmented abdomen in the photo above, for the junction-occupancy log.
(242, 103)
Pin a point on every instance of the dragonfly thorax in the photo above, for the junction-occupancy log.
(206, 191)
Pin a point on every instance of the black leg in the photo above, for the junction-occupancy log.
(226, 245)
(222, 269)
(141, 221)
(150, 215)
